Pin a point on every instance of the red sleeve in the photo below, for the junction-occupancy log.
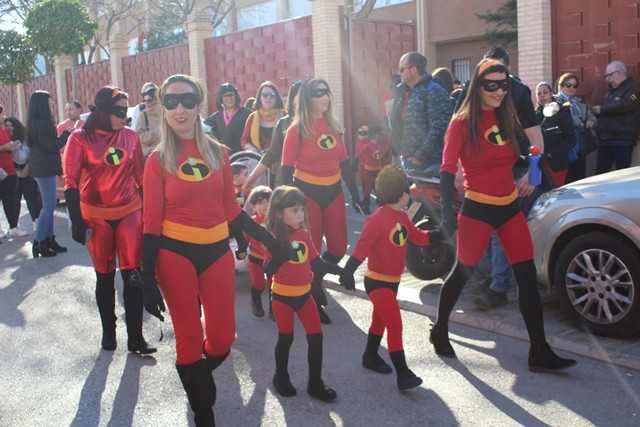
(138, 166)
(291, 147)
(454, 141)
(246, 134)
(416, 235)
(368, 237)
(153, 195)
(72, 160)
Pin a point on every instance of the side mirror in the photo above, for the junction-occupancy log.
(550, 109)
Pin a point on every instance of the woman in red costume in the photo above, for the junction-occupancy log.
(481, 137)
(103, 179)
(189, 206)
(314, 159)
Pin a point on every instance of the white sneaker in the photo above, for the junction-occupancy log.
(2, 234)
(18, 232)
(35, 225)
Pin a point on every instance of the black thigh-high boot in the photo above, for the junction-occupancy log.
(317, 387)
(195, 383)
(449, 294)
(256, 302)
(133, 316)
(541, 356)
(371, 359)
(406, 378)
(212, 363)
(281, 380)
(106, 300)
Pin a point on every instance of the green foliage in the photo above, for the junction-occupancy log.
(165, 30)
(16, 58)
(505, 25)
(59, 27)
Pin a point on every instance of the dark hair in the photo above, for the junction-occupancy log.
(39, 117)
(76, 103)
(499, 53)
(293, 92)
(258, 103)
(538, 106)
(260, 193)
(390, 184)
(250, 103)
(444, 75)
(416, 59)
(226, 88)
(100, 117)
(283, 197)
(1, 108)
(471, 105)
(18, 128)
(237, 167)
(395, 80)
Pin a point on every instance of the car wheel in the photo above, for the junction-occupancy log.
(597, 277)
(429, 262)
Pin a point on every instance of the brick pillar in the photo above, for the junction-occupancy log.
(422, 34)
(535, 54)
(198, 29)
(60, 65)
(118, 49)
(326, 22)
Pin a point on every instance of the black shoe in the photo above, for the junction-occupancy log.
(376, 363)
(324, 318)
(109, 341)
(283, 386)
(141, 346)
(51, 242)
(441, 343)
(542, 358)
(407, 379)
(491, 300)
(478, 285)
(319, 390)
(42, 249)
(256, 308)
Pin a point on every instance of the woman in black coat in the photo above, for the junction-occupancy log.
(227, 124)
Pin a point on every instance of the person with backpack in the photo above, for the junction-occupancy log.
(148, 124)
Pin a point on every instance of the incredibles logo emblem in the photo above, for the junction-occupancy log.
(493, 136)
(300, 252)
(326, 142)
(377, 154)
(193, 170)
(115, 156)
(398, 235)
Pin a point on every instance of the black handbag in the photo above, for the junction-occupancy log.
(587, 142)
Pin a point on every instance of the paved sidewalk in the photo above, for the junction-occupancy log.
(422, 297)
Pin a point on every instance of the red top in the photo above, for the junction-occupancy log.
(106, 167)
(384, 239)
(489, 171)
(371, 155)
(6, 157)
(297, 271)
(194, 197)
(256, 248)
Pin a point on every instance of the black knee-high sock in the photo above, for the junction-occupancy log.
(529, 301)
(106, 300)
(282, 353)
(314, 357)
(132, 297)
(450, 292)
(399, 361)
(373, 344)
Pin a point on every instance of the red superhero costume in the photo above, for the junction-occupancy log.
(190, 212)
(372, 158)
(256, 259)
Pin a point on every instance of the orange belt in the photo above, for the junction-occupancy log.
(202, 236)
(290, 290)
(382, 277)
(255, 254)
(110, 213)
(491, 200)
(317, 180)
(372, 168)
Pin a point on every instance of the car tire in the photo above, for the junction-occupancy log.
(597, 279)
(429, 262)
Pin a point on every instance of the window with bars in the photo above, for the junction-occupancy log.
(461, 70)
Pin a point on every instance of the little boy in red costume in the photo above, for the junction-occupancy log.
(372, 154)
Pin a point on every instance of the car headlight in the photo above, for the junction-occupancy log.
(544, 202)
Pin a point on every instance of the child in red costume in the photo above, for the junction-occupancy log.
(239, 173)
(314, 159)
(383, 241)
(259, 202)
(189, 208)
(291, 288)
(372, 155)
(482, 138)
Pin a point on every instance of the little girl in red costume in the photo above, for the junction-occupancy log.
(259, 202)
(291, 288)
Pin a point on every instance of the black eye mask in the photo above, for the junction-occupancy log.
(188, 101)
(494, 85)
(119, 111)
(319, 93)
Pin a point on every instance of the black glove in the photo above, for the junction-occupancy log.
(280, 254)
(347, 281)
(151, 296)
(435, 236)
(355, 165)
(78, 224)
(357, 205)
(449, 222)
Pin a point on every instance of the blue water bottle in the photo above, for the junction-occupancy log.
(535, 177)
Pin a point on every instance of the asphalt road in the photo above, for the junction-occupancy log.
(53, 372)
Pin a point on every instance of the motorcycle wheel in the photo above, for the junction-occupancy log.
(429, 262)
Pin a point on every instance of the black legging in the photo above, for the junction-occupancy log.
(7, 193)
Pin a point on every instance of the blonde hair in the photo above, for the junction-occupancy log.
(303, 117)
(169, 147)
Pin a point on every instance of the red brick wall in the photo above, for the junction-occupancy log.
(46, 82)
(153, 66)
(281, 52)
(89, 78)
(5, 100)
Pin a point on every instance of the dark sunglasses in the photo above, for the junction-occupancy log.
(570, 85)
(188, 101)
(319, 93)
(151, 92)
(119, 111)
(268, 94)
(362, 133)
(494, 85)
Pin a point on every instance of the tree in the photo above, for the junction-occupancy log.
(505, 24)
(365, 8)
(16, 60)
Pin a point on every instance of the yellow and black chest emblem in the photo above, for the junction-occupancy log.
(300, 252)
(115, 156)
(398, 235)
(326, 142)
(193, 170)
(377, 154)
(494, 136)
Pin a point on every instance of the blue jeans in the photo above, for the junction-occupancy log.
(47, 187)
(500, 269)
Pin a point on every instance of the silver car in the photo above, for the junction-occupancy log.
(586, 237)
